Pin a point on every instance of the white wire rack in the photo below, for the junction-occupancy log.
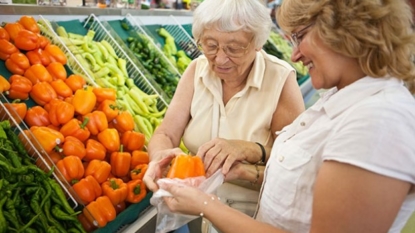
(139, 27)
(103, 31)
(182, 38)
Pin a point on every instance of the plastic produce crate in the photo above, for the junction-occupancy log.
(139, 27)
(183, 38)
(103, 31)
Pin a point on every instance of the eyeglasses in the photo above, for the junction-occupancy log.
(232, 50)
(296, 37)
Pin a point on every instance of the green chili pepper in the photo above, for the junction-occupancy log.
(26, 228)
(11, 219)
(13, 138)
(60, 197)
(51, 220)
(34, 204)
(3, 222)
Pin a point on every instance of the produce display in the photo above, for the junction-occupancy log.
(92, 141)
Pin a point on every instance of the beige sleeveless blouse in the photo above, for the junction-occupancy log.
(247, 115)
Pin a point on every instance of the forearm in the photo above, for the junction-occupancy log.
(159, 142)
(228, 220)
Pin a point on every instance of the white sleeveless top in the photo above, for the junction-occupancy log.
(247, 115)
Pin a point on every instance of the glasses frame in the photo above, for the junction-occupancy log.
(294, 36)
(225, 49)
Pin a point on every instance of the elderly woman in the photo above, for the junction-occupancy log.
(230, 101)
(346, 164)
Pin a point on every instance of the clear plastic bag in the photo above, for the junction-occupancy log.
(168, 221)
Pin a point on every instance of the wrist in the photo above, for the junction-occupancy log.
(261, 161)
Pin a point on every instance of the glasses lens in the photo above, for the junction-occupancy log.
(234, 51)
(294, 41)
(230, 50)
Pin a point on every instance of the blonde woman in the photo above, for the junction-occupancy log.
(345, 165)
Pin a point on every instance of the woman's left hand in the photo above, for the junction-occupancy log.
(186, 199)
(223, 153)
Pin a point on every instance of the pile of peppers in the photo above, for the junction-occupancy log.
(30, 199)
(91, 140)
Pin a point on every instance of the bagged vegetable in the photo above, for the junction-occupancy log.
(168, 221)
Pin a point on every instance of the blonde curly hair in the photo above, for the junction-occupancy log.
(378, 33)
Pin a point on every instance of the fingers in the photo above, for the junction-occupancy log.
(155, 171)
(150, 176)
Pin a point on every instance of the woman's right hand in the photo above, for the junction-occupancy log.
(158, 167)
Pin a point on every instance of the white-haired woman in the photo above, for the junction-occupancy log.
(230, 101)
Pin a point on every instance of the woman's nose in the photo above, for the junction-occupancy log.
(221, 57)
(295, 55)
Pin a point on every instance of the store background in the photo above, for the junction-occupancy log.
(73, 10)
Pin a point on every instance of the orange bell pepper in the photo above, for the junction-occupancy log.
(84, 101)
(57, 70)
(139, 157)
(99, 169)
(120, 162)
(29, 23)
(63, 90)
(42, 93)
(43, 41)
(60, 112)
(77, 129)
(6, 49)
(13, 29)
(115, 189)
(38, 56)
(105, 93)
(4, 85)
(4, 34)
(26, 40)
(20, 87)
(37, 116)
(110, 109)
(16, 109)
(17, 63)
(132, 140)
(136, 191)
(56, 53)
(71, 168)
(75, 82)
(48, 138)
(38, 73)
(73, 146)
(94, 150)
(185, 166)
(110, 139)
(124, 122)
(101, 210)
(88, 189)
(55, 156)
(138, 171)
(97, 122)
